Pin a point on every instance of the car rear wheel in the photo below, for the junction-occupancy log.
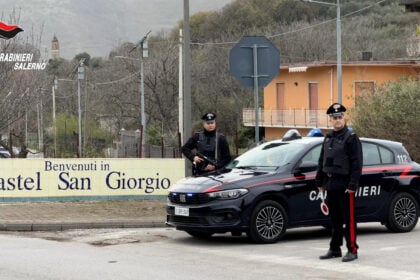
(268, 222)
(403, 213)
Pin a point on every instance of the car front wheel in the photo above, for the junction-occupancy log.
(403, 213)
(268, 222)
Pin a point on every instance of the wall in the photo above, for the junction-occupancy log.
(296, 86)
(88, 179)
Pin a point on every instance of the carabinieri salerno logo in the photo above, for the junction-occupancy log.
(9, 31)
(22, 61)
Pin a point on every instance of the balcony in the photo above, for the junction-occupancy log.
(291, 118)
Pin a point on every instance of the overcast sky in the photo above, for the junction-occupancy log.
(97, 26)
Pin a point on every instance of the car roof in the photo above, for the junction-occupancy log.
(302, 140)
(316, 140)
(382, 141)
(306, 140)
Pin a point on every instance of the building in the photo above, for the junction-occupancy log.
(300, 94)
(55, 48)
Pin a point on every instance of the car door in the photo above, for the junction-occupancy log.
(304, 198)
(376, 182)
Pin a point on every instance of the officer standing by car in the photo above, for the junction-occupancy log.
(204, 151)
(339, 169)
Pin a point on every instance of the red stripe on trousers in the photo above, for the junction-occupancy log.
(352, 224)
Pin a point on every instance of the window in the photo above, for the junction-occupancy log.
(313, 102)
(370, 154)
(386, 155)
(312, 156)
(375, 155)
(280, 92)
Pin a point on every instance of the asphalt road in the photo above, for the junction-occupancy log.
(164, 253)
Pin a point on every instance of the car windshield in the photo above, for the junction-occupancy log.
(271, 155)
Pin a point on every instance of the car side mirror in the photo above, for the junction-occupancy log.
(305, 167)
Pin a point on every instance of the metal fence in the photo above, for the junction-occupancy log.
(129, 143)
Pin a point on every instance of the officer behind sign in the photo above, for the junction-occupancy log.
(204, 151)
(339, 170)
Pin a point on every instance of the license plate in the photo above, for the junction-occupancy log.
(182, 211)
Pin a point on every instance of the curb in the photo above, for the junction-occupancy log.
(52, 226)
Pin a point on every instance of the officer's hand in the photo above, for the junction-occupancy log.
(349, 191)
(197, 159)
(210, 167)
(321, 189)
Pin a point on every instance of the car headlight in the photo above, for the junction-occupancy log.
(228, 194)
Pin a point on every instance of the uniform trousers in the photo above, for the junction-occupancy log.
(341, 208)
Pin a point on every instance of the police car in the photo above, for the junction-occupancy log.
(271, 188)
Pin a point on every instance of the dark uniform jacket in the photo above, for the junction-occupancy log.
(205, 143)
(340, 162)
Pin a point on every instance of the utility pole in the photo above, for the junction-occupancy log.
(40, 121)
(180, 89)
(338, 29)
(339, 66)
(144, 52)
(80, 76)
(54, 87)
(187, 78)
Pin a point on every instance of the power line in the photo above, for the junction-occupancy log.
(327, 21)
(119, 80)
(300, 29)
(99, 84)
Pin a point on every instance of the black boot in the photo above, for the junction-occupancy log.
(349, 257)
(331, 254)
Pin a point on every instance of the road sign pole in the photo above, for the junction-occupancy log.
(251, 56)
(257, 121)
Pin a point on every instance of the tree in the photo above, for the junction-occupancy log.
(85, 56)
(21, 91)
(391, 113)
(67, 129)
(161, 86)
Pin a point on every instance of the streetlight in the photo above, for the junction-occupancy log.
(144, 52)
(339, 70)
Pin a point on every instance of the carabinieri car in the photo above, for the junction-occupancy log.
(271, 188)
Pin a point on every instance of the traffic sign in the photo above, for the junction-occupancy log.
(254, 59)
(254, 62)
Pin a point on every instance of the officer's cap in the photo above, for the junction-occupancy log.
(209, 117)
(336, 109)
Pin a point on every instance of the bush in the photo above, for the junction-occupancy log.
(391, 113)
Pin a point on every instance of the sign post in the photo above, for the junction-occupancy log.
(254, 61)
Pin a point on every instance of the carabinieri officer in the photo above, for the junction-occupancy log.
(339, 170)
(204, 145)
